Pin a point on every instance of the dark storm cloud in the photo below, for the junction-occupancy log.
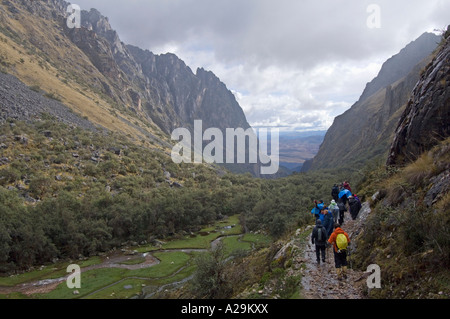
(266, 32)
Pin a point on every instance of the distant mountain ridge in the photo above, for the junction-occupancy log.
(366, 131)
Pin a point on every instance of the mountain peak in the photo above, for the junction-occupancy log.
(95, 21)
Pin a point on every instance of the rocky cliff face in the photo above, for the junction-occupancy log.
(366, 130)
(160, 88)
(426, 120)
(117, 86)
(176, 96)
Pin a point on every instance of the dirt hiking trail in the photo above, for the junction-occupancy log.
(321, 281)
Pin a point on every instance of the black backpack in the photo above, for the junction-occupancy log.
(321, 237)
(335, 191)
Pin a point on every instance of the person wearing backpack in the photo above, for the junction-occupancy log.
(328, 222)
(355, 206)
(340, 241)
(344, 194)
(342, 210)
(347, 186)
(319, 238)
(335, 192)
(318, 206)
(334, 209)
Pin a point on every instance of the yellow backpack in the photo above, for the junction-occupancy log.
(341, 242)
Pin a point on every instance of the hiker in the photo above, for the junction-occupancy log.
(319, 238)
(340, 240)
(321, 215)
(328, 222)
(318, 206)
(335, 192)
(355, 206)
(347, 186)
(344, 194)
(334, 209)
(342, 210)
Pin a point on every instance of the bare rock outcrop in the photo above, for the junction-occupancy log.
(426, 120)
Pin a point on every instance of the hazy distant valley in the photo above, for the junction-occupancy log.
(298, 147)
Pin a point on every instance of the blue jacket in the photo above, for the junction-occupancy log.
(328, 222)
(322, 218)
(316, 210)
(345, 192)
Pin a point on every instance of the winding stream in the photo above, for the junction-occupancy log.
(114, 260)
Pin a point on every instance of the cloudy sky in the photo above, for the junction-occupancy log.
(294, 64)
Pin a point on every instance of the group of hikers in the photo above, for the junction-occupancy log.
(329, 220)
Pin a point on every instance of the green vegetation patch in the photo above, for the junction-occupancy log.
(124, 289)
(52, 271)
(197, 242)
(91, 281)
(235, 244)
(170, 263)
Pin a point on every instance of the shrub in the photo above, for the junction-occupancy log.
(418, 172)
(39, 186)
(209, 281)
(8, 176)
(35, 88)
(53, 96)
(90, 170)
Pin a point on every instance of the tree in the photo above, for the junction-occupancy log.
(39, 186)
(278, 226)
(209, 280)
